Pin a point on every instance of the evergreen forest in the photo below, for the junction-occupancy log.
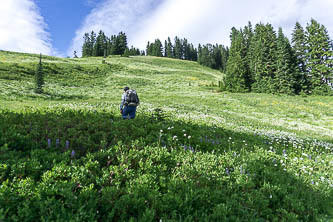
(260, 59)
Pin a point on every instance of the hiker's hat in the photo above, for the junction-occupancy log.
(126, 88)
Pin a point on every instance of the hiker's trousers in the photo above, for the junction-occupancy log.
(129, 112)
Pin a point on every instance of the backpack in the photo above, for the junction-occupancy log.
(132, 98)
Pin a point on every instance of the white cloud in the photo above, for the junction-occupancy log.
(22, 28)
(210, 21)
(113, 16)
(200, 21)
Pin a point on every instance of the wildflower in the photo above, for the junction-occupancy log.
(189, 137)
(49, 142)
(73, 154)
(67, 144)
(174, 137)
(191, 149)
(161, 131)
(227, 171)
(185, 135)
(57, 142)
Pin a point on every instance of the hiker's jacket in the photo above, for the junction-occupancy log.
(123, 100)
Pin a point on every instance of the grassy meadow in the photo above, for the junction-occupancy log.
(193, 153)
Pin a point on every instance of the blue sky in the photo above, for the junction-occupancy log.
(56, 27)
(63, 17)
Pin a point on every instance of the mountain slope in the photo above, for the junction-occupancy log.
(193, 153)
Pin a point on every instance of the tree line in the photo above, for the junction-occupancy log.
(262, 60)
(101, 45)
(259, 58)
(213, 56)
(180, 49)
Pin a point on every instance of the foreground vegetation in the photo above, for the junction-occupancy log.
(192, 154)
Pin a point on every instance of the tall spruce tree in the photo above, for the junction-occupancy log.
(113, 45)
(100, 44)
(299, 47)
(186, 49)
(39, 77)
(86, 45)
(148, 49)
(206, 57)
(319, 57)
(236, 79)
(158, 48)
(170, 53)
(247, 36)
(217, 56)
(285, 76)
(165, 48)
(194, 53)
(122, 43)
(178, 48)
(92, 43)
(224, 58)
(263, 58)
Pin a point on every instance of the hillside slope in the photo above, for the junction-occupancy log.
(182, 87)
(193, 153)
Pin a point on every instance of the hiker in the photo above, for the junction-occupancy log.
(129, 102)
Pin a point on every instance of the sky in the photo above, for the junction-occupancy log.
(56, 27)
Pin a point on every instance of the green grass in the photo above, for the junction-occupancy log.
(192, 154)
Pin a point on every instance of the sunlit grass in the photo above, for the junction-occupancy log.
(240, 154)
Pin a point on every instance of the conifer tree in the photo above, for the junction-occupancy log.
(217, 56)
(263, 58)
(186, 49)
(224, 58)
(169, 50)
(158, 48)
(207, 56)
(285, 76)
(108, 46)
(199, 54)
(194, 53)
(99, 46)
(86, 45)
(165, 48)
(121, 43)
(178, 51)
(148, 49)
(39, 77)
(126, 53)
(299, 48)
(319, 57)
(247, 37)
(92, 43)
(236, 79)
